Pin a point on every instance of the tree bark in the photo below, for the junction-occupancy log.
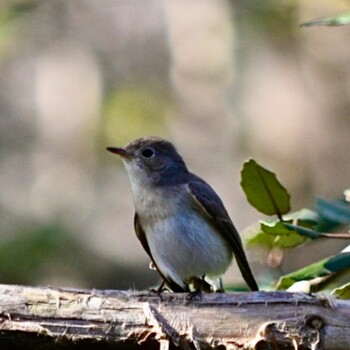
(49, 318)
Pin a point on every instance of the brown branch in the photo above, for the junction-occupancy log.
(91, 319)
(338, 235)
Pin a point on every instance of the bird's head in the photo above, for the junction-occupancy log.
(151, 160)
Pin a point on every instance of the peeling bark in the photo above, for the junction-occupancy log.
(33, 317)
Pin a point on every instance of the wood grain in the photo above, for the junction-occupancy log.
(49, 318)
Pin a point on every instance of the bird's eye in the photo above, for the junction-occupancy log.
(148, 153)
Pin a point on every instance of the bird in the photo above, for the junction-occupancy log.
(179, 219)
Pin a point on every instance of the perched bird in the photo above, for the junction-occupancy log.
(180, 221)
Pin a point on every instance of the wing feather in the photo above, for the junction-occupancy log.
(209, 203)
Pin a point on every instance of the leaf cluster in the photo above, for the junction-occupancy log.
(288, 229)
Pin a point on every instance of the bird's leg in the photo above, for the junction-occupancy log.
(205, 286)
(221, 289)
(200, 285)
(160, 289)
(195, 295)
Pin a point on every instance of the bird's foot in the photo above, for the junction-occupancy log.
(220, 290)
(195, 295)
(159, 290)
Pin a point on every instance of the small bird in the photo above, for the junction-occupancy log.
(180, 221)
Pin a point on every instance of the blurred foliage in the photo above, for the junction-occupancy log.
(326, 267)
(336, 212)
(134, 111)
(347, 195)
(342, 292)
(15, 8)
(270, 16)
(22, 256)
(53, 252)
(11, 17)
(267, 195)
(331, 21)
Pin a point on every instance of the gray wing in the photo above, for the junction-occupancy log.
(209, 203)
(140, 233)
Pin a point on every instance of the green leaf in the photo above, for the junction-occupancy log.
(263, 190)
(306, 273)
(331, 21)
(258, 238)
(338, 262)
(332, 210)
(273, 233)
(284, 237)
(330, 265)
(342, 292)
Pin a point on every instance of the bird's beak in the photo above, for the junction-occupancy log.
(121, 152)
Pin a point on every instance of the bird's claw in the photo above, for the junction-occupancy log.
(195, 295)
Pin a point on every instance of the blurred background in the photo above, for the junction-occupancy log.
(223, 80)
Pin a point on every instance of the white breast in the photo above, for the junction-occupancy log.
(183, 244)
